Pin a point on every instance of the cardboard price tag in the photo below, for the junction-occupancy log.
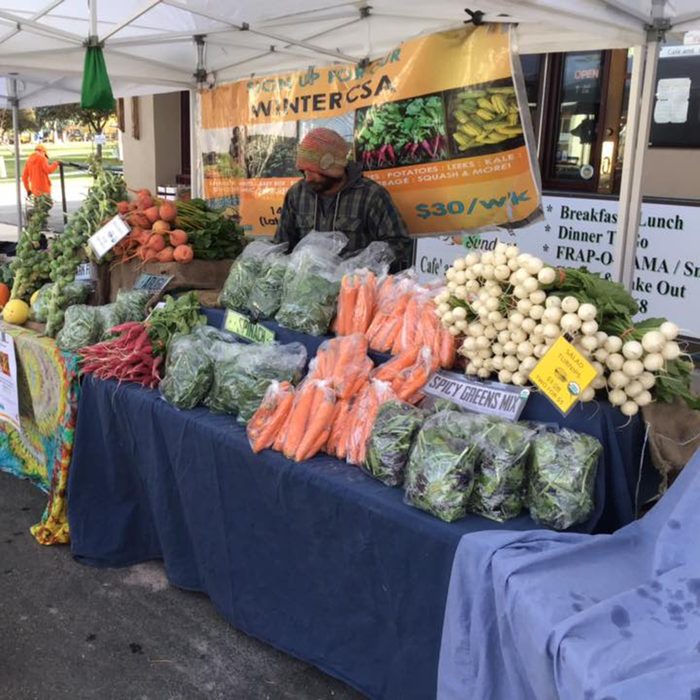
(152, 283)
(108, 236)
(242, 326)
(563, 374)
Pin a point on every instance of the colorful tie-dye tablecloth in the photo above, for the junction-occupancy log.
(48, 399)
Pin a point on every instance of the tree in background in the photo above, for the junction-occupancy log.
(58, 118)
(96, 120)
(27, 122)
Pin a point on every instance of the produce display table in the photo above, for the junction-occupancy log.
(41, 452)
(315, 558)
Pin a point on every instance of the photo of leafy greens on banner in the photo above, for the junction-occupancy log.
(451, 145)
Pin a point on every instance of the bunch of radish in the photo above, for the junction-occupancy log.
(496, 302)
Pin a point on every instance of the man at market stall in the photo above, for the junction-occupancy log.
(37, 169)
(334, 196)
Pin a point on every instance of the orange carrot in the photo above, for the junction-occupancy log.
(319, 425)
(299, 417)
(448, 349)
(388, 371)
(349, 288)
(364, 304)
(263, 436)
(340, 417)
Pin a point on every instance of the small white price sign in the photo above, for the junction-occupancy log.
(108, 236)
(9, 396)
(86, 272)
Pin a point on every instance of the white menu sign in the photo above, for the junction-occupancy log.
(581, 232)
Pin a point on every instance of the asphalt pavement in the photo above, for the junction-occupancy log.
(73, 632)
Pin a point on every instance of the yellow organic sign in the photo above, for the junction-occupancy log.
(563, 374)
(245, 328)
(437, 121)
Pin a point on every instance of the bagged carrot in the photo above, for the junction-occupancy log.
(363, 415)
(344, 362)
(409, 382)
(271, 416)
(389, 319)
(349, 289)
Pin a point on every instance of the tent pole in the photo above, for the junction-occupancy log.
(14, 101)
(195, 170)
(642, 91)
(93, 18)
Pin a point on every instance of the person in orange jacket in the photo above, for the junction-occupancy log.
(37, 169)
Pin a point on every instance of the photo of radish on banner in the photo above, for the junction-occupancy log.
(453, 147)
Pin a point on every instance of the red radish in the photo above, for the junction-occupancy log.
(161, 226)
(168, 211)
(177, 237)
(183, 254)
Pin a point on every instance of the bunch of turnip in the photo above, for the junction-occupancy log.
(496, 302)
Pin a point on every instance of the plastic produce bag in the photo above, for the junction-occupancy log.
(266, 294)
(390, 442)
(189, 372)
(393, 295)
(211, 335)
(80, 328)
(356, 302)
(40, 306)
(247, 267)
(270, 420)
(242, 377)
(408, 372)
(311, 284)
(131, 304)
(375, 258)
(309, 422)
(107, 318)
(500, 481)
(76, 292)
(440, 473)
(344, 362)
(562, 471)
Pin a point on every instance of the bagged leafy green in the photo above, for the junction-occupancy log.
(80, 328)
(562, 473)
(376, 257)
(210, 334)
(440, 472)
(108, 317)
(247, 267)
(432, 404)
(131, 304)
(189, 372)
(390, 442)
(500, 480)
(312, 283)
(40, 305)
(76, 292)
(266, 294)
(241, 377)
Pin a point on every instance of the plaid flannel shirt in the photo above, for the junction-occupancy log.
(363, 211)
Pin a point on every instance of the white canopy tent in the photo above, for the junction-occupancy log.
(153, 46)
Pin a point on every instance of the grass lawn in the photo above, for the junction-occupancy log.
(75, 152)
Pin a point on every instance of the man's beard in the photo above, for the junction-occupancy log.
(326, 184)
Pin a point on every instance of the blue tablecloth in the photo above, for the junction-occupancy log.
(562, 616)
(315, 558)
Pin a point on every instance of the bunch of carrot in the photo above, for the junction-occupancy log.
(406, 318)
(128, 357)
(309, 421)
(356, 302)
(408, 372)
(344, 363)
(271, 417)
(354, 419)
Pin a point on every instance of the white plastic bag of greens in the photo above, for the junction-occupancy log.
(312, 283)
(189, 372)
(40, 305)
(80, 328)
(224, 356)
(246, 268)
(440, 472)
(131, 304)
(500, 479)
(266, 294)
(562, 471)
(108, 317)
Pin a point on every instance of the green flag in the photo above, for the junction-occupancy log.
(96, 92)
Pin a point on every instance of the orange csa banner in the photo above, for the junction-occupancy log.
(438, 121)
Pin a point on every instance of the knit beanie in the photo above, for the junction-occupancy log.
(323, 151)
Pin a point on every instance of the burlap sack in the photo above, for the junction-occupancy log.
(674, 436)
(197, 275)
